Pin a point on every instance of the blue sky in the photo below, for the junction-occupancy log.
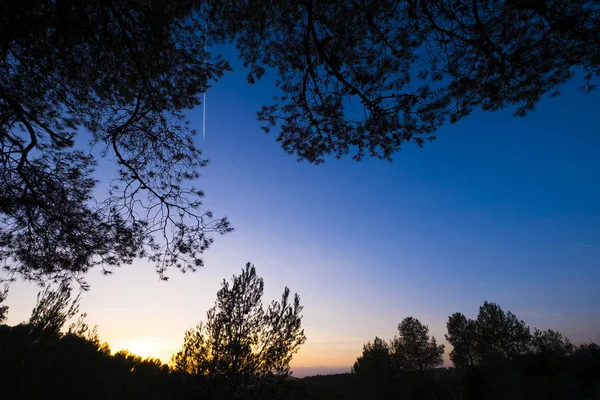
(499, 208)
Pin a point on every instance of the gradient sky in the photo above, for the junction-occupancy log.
(499, 208)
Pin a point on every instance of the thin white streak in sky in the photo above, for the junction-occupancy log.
(204, 95)
(582, 244)
(203, 116)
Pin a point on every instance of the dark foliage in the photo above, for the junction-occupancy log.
(462, 335)
(497, 335)
(53, 308)
(495, 357)
(532, 377)
(125, 72)
(384, 368)
(326, 387)
(242, 344)
(3, 309)
(74, 364)
(39, 360)
(552, 343)
(500, 335)
(69, 366)
(375, 368)
(243, 352)
(413, 349)
(365, 77)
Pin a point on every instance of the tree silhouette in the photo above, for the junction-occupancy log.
(552, 343)
(414, 350)
(375, 361)
(3, 309)
(497, 335)
(134, 363)
(366, 77)
(375, 370)
(462, 335)
(53, 308)
(241, 343)
(500, 335)
(125, 72)
(75, 364)
(354, 78)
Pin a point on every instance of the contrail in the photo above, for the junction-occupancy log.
(582, 244)
(204, 95)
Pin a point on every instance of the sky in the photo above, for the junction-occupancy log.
(498, 208)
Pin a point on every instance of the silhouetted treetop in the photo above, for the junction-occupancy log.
(242, 342)
(500, 334)
(551, 342)
(53, 308)
(413, 349)
(124, 71)
(375, 361)
(365, 77)
(462, 335)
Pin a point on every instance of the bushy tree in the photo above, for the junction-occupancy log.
(500, 335)
(375, 361)
(552, 343)
(241, 342)
(462, 335)
(194, 357)
(374, 371)
(414, 350)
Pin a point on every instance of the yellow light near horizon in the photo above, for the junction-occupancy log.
(141, 346)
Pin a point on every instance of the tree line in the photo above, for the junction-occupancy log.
(243, 350)
(495, 356)
(494, 335)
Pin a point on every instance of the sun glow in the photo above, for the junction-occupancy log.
(142, 346)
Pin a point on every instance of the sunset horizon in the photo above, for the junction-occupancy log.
(396, 199)
(525, 245)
